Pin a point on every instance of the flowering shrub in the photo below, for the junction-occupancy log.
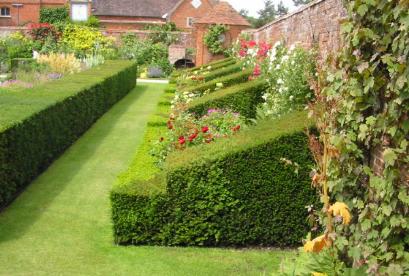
(61, 63)
(40, 32)
(213, 39)
(85, 40)
(288, 72)
(185, 130)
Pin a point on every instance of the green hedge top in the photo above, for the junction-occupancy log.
(242, 98)
(227, 81)
(223, 71)
(16, 107)
(251, 137)
(263, 132)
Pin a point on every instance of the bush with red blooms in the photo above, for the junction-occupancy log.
(42, 31)
(252, 54)
(185, 130)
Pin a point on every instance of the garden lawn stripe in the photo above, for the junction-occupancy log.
(61, 224)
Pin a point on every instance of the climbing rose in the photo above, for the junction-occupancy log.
(182, 140)
(205, 129)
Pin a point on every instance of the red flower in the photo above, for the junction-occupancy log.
(243, 43)
(170, 125)
(161, 139)
(192, 137)
(236, 128)
(205, 129)
(257, 70)
(182, 140)
(252, 44)
(263, 49)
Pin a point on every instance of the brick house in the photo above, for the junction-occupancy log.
(117, 16)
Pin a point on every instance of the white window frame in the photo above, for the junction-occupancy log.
(190, 21)
(84, 4)
(5, 12)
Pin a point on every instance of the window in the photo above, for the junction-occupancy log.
(5, 11)
(79, 11)
(190, 21)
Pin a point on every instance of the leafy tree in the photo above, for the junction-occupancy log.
(251, 19)
(281, 9)
(301, 2)
(267, 14)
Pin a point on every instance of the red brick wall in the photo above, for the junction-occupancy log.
(29, 12)
(316, 23)
(203, 56)
(128, 22)
(185, 10)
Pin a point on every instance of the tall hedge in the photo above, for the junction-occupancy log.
(241, 98)
(248, 190)
(37, 125)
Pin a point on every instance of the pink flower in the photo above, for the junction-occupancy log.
(257, 71)
(242, 53)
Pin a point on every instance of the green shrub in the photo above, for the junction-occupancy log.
(241, 98)
(226, 81)
(54, 15)
(223, 71)
(36, 126)
(248, 190)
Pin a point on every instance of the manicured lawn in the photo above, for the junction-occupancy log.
(61, 224)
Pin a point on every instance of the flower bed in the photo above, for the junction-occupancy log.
(36, 127)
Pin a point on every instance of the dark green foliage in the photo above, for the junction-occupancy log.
(241, 98)
(238, 192)
(37, 125)
(54, 15)
(227, 81)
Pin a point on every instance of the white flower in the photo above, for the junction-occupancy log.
(291, 98)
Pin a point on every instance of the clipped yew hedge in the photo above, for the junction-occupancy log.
(241, 98)
(240, 191)
(37, 125)
(224, 71)
(226, 81)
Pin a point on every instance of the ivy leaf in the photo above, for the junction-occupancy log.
(362, 9)
(390, 157)
(400, 83)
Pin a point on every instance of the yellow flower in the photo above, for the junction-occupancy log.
(318, 274)
(341, 209)
(317, 244)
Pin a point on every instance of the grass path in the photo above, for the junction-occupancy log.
(61, 224)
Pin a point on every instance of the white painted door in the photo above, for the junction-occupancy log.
(79, 11)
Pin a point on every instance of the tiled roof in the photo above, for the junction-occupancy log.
(223, 13)
(139, 8)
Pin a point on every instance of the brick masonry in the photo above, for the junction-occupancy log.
(315, 24)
